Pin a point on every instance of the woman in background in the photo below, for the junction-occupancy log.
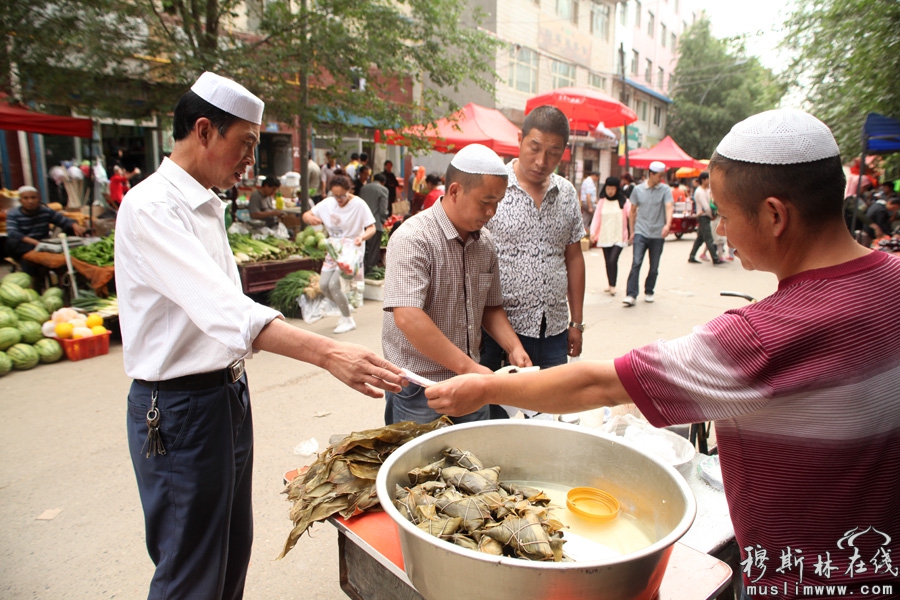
(609, 227)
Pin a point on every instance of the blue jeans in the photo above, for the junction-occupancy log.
(641, 245)
(544, 352)
(410, 404)
(197, 496)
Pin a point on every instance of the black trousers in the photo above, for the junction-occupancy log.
(197, 496)
(704, 235)
(611, 256)
(373, 251)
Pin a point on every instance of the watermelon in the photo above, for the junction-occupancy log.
(20, 279)
(54, 292)
(52, 303)
(32, 311)
(23, 357)
(12, 294)
(5, 364)
(9, 336)
(33, 296)
(8, 317)
(31, 331)
(49, 350)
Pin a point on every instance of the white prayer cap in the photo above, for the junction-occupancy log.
(784, 136)
(27, 188)
(229, 96)
(479, 160)
(657, 166)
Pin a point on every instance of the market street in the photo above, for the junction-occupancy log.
(62, 440)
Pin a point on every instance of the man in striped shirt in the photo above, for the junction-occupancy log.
(808, 426)
(29, 223)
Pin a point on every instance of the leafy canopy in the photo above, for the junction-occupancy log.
(714, 86)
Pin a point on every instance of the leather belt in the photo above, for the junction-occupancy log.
(198, 381)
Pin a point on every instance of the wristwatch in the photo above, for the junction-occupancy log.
(578, 326)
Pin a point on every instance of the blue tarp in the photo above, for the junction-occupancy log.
(881, 135)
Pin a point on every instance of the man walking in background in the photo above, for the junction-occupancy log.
(651, 219)
(375, 195)
(704, 221)
(589, 198)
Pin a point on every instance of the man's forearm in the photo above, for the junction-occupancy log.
(496, 323)
(428, 339)
(575, 276)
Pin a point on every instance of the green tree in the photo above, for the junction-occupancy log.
(305, 58)
(715, 85)
(845, 62)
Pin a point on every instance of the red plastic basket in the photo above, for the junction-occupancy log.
(87, 347)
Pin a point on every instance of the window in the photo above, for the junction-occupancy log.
(597, 81)
(648, 71)
(635, 60)
(563, 74)
(637, 14)
(643, 110)
(623, 13)
(600, 14)
(651, 24)
(660, 78)
(523, 70)
(674, 42)
(567, 9)
(657, 116)
(662, 34)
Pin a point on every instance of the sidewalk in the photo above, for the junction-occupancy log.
(62, 443)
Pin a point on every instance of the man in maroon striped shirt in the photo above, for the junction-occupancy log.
(808, 426)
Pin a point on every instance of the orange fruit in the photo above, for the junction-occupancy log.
(98, 329)
(64, 330)
(93, 320)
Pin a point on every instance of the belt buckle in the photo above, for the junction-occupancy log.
(236, 370)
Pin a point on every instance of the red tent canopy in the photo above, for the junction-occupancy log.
(666, 151)
(585, 108)
(473, 124)
(19, 118)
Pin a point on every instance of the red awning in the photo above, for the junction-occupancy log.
(585, 108)
(473, 124)
(667, 151)
(19, 118)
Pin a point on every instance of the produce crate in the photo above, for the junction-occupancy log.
(262, 276)
(88, 347)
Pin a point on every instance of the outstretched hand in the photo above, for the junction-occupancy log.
(363, 370)
(458, 396)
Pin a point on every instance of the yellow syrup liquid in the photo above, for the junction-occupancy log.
(588, 540)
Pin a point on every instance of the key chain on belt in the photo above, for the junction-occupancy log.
(153, 443)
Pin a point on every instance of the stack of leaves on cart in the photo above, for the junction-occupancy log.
(342, 479)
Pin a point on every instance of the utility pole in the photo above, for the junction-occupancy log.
(622, 100)
(305, 191)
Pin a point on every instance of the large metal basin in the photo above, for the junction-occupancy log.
(551, 452)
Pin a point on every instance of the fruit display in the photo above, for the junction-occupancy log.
(34, 327)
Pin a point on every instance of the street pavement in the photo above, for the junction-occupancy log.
(63, 453)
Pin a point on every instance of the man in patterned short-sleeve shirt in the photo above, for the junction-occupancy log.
(442, 285)
(538, 230)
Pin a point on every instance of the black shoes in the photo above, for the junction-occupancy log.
(693, 260)
(719, 261)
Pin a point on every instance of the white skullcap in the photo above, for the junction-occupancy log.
(657, 166)
(479, 160)
(229, 96)
(27, 188)
(784, 136)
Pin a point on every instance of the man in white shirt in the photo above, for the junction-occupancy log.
(186, 330)
(589, 198)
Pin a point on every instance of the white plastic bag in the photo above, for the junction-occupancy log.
(315, 309)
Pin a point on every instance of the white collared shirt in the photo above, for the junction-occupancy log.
(181, 307)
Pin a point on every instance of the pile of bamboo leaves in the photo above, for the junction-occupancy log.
(342, 479)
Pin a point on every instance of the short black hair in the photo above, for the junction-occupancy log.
(547, 119)
(704, 175)
(271, 181)
(341, 181)
(191, 107)
(363, 157)
(380, 178)
(354, 156)
(433, 179)
(467, 181)
(388, 162)
(815, 188)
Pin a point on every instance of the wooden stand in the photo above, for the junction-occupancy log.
(262, 276)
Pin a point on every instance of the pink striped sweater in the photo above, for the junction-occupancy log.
(804, 387)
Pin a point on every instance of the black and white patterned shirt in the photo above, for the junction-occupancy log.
(430, 267)
(531, 246)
